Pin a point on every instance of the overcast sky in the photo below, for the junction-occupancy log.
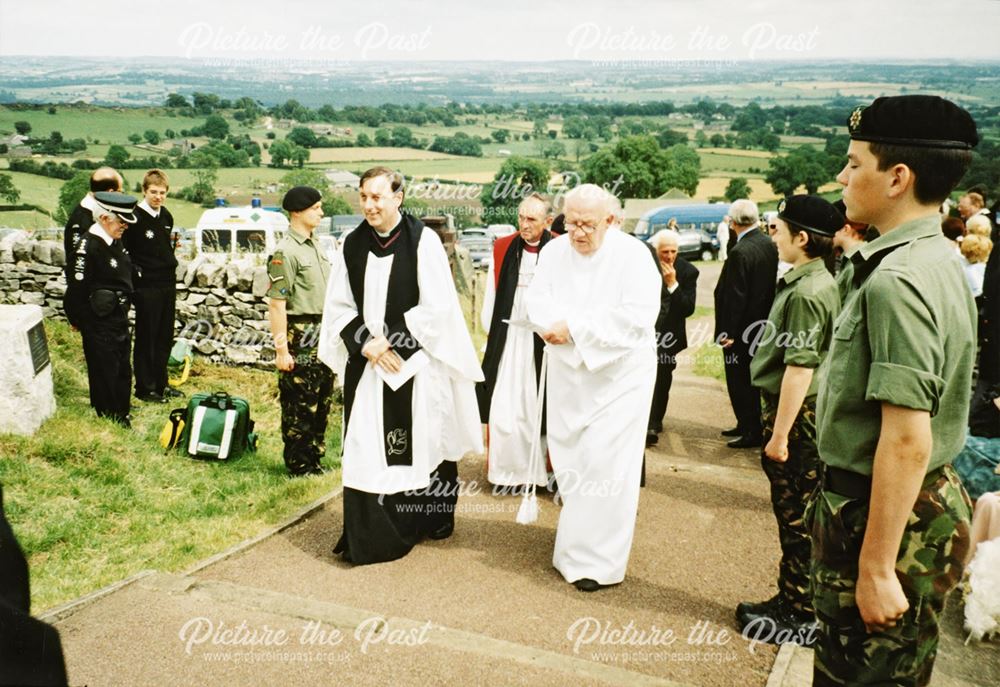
(505, 29)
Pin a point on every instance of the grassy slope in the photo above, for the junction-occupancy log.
(92, 503)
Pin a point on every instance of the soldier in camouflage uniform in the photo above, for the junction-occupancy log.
(298, 271)
(791, 344)
(890, 522)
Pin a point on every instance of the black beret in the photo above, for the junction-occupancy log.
(811, 213)
(116, 203)
(300, 198)
(921, 121)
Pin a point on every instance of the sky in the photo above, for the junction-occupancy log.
(523, 30)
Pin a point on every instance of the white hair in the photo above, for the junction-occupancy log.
(744, 212)
(665, 236)
(588, 194)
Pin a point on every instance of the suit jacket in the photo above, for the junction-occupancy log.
(746, 286)
(676, 307)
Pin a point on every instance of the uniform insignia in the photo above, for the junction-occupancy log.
(149, 233)
(396, 441)
(79, 276)
(284, 291)
(855, 121)
(276, 261)
(114, 262)
(781, 207)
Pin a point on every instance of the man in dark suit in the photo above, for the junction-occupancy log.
(677, 298)
(743, 297)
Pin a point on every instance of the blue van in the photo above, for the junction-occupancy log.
(697, 223)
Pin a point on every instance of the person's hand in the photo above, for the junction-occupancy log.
(285, 361)
(777, 449)
(389, 361)
(726, 343)
(669, 273)
(880, 600)
(558, 334)
(996, 401)
(375, 348)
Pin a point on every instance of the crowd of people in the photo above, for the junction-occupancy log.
(849, 330)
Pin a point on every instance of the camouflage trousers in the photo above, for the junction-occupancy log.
(792, 484)
(305, 393)
(930, 563)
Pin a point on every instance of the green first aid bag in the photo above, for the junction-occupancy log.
(217, 427)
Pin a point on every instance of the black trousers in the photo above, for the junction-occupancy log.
(744, 397)
(107, 344)
(666, 363)
(154, 336)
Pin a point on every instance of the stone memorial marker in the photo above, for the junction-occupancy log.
(26, 396)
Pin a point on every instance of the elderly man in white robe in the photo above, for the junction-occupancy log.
(394, 333)
(596, 292)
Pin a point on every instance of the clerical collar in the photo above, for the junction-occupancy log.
(532, 247)
(145, 206)
(384, 240)
(97, 230)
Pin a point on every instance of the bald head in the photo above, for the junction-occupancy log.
(589, 210)
(106, 179)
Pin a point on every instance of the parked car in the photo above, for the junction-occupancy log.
(479, 232)
(480, 250)
(697, 224)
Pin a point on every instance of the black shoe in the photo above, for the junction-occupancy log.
(171, 392)
(747, 612)
(587, 585)
(734, 432)
(442, 532)
(151, 397)
(651, 438)
(744, 442)
(783, 626)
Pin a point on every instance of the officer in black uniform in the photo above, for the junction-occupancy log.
(82, 217)
(149, 245)
(97, 301)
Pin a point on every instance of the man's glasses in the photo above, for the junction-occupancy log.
(585, 228)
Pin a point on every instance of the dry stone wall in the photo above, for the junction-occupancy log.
(221, 308)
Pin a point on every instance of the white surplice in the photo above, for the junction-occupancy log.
(445, 414)
(514, 403)
(599, 388)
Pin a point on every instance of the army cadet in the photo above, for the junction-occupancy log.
(151, 248)
(97, 302)
(790, 346)
(299, 270)
(890, 523)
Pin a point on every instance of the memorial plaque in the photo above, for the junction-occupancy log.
(39, 347)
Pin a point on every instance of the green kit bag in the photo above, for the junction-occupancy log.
(217, 427)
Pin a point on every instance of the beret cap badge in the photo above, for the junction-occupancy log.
(855, 120)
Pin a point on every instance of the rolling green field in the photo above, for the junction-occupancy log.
(94, 124)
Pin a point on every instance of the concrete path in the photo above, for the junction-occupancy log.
(483, 607)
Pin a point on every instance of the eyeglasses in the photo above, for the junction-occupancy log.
(585, 228)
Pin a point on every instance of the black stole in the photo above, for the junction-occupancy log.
(403, 294)
(503, 303)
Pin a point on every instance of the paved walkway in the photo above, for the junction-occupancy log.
(483, 607)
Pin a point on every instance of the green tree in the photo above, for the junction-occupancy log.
(176, 100)
(383, 137)
(71, 193)
(170, 133)
(152, 137)
(134, 139)
(500, 135)
(669, 137)
(22, 127)
(717, 140)
(736, 189)
(516, 179)
(553, 149)
(636, 167)
(8, 191)
(303, 136)
(539, 127)
(701, 138)
(202, 191)
(304, 177)
(117, 156)
(215, 127)
(364, 141)
(804, 166)
(336, 205)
